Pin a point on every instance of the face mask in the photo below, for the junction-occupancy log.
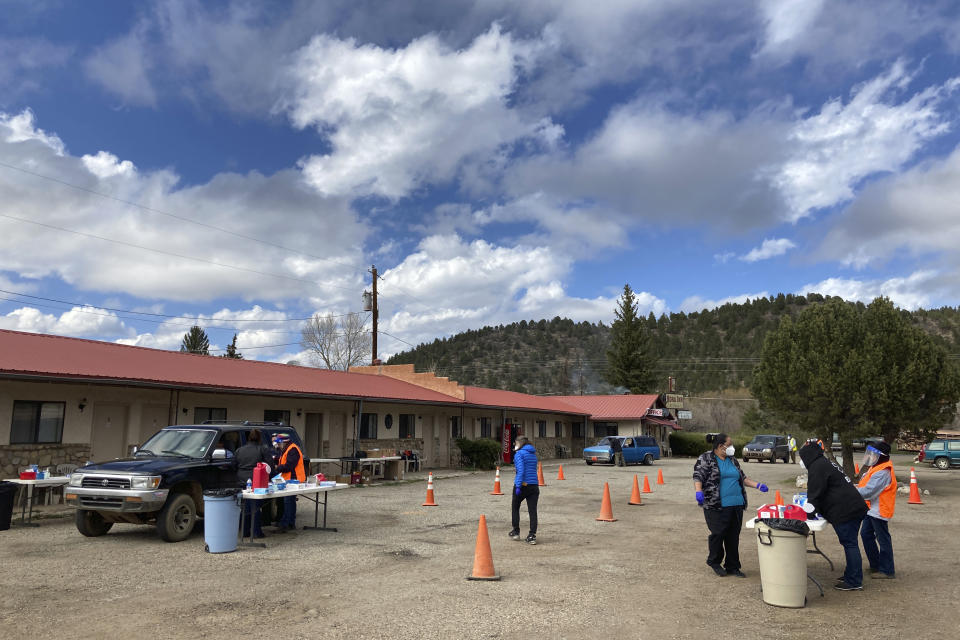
(870, 457)
(730, 451)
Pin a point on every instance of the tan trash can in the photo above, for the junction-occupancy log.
(783, 566)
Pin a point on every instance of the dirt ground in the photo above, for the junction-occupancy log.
(397, 570)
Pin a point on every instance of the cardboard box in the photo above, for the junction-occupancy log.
(344, 479)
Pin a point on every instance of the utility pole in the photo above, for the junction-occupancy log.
(375, 312)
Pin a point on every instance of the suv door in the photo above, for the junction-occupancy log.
(953, 448)
(631, 452)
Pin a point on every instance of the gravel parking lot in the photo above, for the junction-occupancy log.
(397, 570)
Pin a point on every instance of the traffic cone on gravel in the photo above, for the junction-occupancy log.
(496, 485)
(482, 557)
(660, 476)
(646, 485)
(540, 481)
(914, 489)
(856, 469)
(560, 474)
(430, 501)
(635, 496)
(777, 500)
(606, 510)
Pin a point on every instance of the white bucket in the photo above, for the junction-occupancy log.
(783, 566)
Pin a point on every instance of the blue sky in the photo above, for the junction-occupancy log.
(241, 165)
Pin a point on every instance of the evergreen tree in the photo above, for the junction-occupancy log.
(196, 341)
(630, 359)
(232, 350)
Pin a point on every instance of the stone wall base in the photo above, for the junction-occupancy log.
(14, 457)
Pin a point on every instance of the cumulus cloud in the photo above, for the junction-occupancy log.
(400, 118)
(78, 321)
(909, 292)
(280, 208)
(770, 248)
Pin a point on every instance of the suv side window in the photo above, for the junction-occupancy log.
(954, 445)
(648, 441)
(936, 446)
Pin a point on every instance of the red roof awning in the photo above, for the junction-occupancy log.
(663, 421)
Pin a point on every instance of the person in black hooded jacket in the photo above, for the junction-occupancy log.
(837, 499)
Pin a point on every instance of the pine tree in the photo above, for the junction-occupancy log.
(196, 341)
(630, 359)
(232, 350)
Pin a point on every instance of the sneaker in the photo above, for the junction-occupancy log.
(843, 585)
(514, 535)
(880, 575)
(737, 574)
(531, 539)
(717, 569)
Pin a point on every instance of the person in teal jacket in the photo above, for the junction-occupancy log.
(526, 486)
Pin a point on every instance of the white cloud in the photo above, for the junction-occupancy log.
(723, 258)
(279, 208)
(698, 303)
(786, 21)
(123, 67)
(25, 61)
(907, 293)
(770, 248)
(78, 321)
(844, 143)
(398, 119)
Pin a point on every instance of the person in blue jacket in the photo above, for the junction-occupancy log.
(525, 487)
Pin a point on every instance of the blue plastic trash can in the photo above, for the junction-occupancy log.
(221, 519)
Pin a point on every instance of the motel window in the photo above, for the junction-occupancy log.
(36, 422)
(601, 429)
(557, 429)
(578, 429)
(541, 428)
(407, 425)
(276, 415)
(456, 429)
(368, 426)
(485, 428)
(209, 414)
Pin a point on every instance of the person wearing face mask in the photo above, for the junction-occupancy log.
(719, 486)
(878, 486)
(835, 497)
(525, 487)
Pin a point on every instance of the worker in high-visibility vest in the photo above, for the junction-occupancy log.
(290, 465)
(878, 486)
(792, 445)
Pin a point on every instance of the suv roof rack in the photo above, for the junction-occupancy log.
(246, 423)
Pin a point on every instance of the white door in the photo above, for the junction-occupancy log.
(152, 419)
(313, 436)
(109, 432)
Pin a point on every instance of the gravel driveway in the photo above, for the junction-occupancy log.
(397, 570)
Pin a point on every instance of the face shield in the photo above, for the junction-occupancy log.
(870, 457)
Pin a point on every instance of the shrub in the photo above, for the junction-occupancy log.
(685, 443)
(482, 454)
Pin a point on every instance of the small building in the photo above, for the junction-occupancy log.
(69, 400)
(627, 415)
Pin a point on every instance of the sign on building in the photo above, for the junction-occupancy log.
(673, 400)
(658, 413)
(684, 415)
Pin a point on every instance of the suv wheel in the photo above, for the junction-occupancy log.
(177, 518)
(942, 463)
(648, 459)
(91, 523)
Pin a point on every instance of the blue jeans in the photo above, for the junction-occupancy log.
(251, 517)
(847, 534)
(875, 534)
(289, 518)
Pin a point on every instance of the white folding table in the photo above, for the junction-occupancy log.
(26, 511)
(309, 491)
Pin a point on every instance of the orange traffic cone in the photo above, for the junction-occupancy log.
(496, 485)
(606, 510)
(660, 476)
(646, 485)
(914, 489)
(430, 501)
(777, 500)
(482, 557)
(560, 474)
(635, 496)
(540, 481)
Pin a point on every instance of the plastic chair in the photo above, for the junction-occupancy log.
(62, 470)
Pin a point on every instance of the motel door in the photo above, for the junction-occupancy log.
(109, 439)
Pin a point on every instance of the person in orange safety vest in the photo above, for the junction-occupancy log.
(878, 486)
(289, 466)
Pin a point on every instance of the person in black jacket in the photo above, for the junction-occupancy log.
(836, 498)
(248, 456)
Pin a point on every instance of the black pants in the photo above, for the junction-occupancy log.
(530, 493)
(724, 539)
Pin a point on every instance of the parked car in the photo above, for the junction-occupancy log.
(857, 444)
(633, 450)
(162, 484)
(767, 447)
(942, 453)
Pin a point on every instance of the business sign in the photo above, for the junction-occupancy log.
(658, 413)
(684, 415)
(673, 400)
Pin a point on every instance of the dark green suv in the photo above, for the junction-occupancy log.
(942, 453)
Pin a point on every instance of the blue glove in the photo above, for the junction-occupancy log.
(699, 496)
(762, 488)
(517, 490)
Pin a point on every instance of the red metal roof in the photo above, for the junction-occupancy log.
(513, 400)
(622, 407)
(55, 356)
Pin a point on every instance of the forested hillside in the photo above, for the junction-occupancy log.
(706, 351)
